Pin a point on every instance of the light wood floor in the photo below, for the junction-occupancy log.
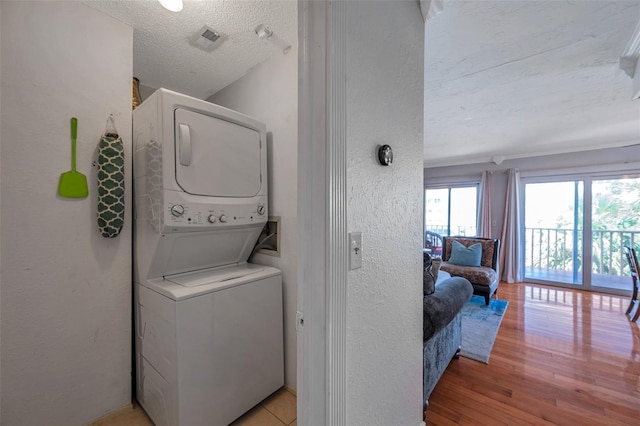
(561, 356)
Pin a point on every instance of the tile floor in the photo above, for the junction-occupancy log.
(277, 410)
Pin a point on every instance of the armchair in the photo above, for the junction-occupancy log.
(484, 278)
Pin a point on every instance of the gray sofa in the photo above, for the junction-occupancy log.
(442, 327)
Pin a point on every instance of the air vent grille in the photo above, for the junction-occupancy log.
(210, 35)
(207, 39)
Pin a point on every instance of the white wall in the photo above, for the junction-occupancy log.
(611, 159)
(66, 291)
(269, 93)
(385, 43)
(146, 91)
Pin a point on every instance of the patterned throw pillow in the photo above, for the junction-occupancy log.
(465, 256)
(428, 280)
(110, 185)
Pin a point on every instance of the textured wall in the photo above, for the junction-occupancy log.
(66, 291)
(384, 309)
(269, 93)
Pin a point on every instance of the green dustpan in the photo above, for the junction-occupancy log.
(72, 183)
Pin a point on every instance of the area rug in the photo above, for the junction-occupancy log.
(480, 324)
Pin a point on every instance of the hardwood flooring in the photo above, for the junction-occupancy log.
(561, 356)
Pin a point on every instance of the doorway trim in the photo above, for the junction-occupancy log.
(322, 213)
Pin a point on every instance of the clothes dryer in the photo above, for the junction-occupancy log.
(208, 325)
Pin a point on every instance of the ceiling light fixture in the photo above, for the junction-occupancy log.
(265, 33)
(497, 159)
(172, 5)
(630, 62)
(431, 8)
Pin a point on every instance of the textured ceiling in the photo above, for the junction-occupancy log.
(163, 56)
(510, 79)
(503, 79)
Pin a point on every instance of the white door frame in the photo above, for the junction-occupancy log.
(322, 215)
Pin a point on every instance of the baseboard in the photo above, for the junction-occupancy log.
(109, 416)
(291, 390)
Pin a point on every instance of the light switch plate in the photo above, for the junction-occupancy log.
(355, 250)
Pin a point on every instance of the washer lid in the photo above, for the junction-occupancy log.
(209, 281)
(195, 279)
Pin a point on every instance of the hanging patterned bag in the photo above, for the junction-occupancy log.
(110, 182)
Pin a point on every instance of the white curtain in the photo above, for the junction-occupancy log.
(510, 252)
(484, 207)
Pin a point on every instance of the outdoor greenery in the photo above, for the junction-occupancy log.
(615, 224)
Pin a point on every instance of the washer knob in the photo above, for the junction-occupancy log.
(261, 209)
(211, 218)
(223, 218)
(177, 210)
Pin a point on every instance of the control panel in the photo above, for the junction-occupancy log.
(182, 213)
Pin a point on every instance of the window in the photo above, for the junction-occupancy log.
(451, 210)
(553, 215)
(575, 230)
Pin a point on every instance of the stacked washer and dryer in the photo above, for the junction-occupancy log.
(208, 325)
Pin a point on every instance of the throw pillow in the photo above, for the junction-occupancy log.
(428, 280)
(465, 256)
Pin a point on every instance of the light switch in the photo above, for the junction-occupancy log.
(355, 250)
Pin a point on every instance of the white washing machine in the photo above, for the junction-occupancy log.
(209, 325)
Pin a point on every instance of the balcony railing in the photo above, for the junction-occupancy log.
(469, 231)
(558, 255)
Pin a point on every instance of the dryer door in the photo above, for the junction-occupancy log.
(215, 157)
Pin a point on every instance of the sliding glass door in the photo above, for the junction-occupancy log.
(615, 211)
(554, 231)
(575, 230)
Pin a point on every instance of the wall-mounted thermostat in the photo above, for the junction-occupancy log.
(385, 155)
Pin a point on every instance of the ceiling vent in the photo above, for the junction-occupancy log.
(207, 39)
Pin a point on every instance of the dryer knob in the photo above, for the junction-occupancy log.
(211, 218)
(177, 210)
(260, 210)
(223, 218)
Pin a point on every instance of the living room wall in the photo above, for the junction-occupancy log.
(610, 159)
(384, 104)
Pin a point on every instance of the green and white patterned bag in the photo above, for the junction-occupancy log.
(110, 182)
